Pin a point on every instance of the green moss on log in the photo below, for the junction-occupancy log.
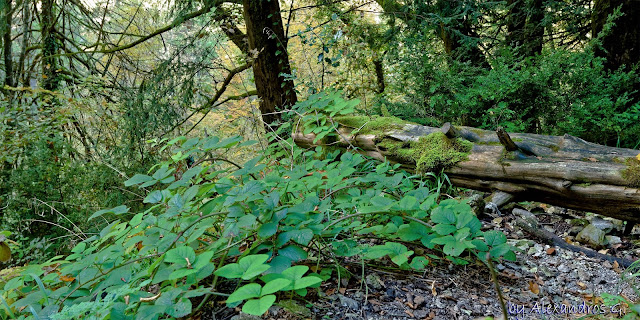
(432, 153)
(372, 125)
(632, 172)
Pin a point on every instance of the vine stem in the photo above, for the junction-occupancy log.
(494, 278)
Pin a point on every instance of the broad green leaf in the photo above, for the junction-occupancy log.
(494, 238)
(402, 258)
(408, 203)
(306, 282)
(302, 237)
(453, 248)
(419, 263)
(117, 211)
(153, 197)
(268, 229)
(137, 179)
(499, 250)
(293, 252)
(180, 309)
(444, 229)
(295, 272)
(181, 255)
(181, 273)
(412, 231)
(258, 307)
(464, 218)
(443, 215)
(275, 285)
(251, 290)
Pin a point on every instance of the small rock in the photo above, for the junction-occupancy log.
(604, 225)
(592, 235)
(613, 240)
(348, 302)
(244, 316)
(500, 267)
(574, 230)
(563, 268)
(421, 314)
(373, 281)
(391, 293)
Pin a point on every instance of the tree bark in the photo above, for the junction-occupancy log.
(7, 42)
(49, 46)
(269, 46)
(558, 170)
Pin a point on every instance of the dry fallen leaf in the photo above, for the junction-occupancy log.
(67, 278)
(592, 159)
(433, 289)
(551, 251)
(533, 287)
(616, 267)
(582, 285)
(342, 290)
(638, 157)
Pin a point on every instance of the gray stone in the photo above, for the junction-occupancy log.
(604, 225)
(613, 240)
(373, 281)
(563, 268)
(592, 235)
(348, 302)
(244, 316)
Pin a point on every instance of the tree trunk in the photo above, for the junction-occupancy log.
(6, 41)
(268, 43)
(49, 46)
(558, 170)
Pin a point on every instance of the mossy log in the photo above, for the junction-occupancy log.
(560, 170)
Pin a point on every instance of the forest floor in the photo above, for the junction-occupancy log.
(544, 283)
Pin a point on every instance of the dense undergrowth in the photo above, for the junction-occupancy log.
(276, 226)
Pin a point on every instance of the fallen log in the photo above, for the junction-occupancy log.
(560, 170)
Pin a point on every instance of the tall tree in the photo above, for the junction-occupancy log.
(49, 45)
(5, 27)
(267, 42)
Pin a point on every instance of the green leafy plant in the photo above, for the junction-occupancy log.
(246, 234)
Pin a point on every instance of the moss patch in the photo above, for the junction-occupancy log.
(632, 172)
(432, 153)
(372, 125)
